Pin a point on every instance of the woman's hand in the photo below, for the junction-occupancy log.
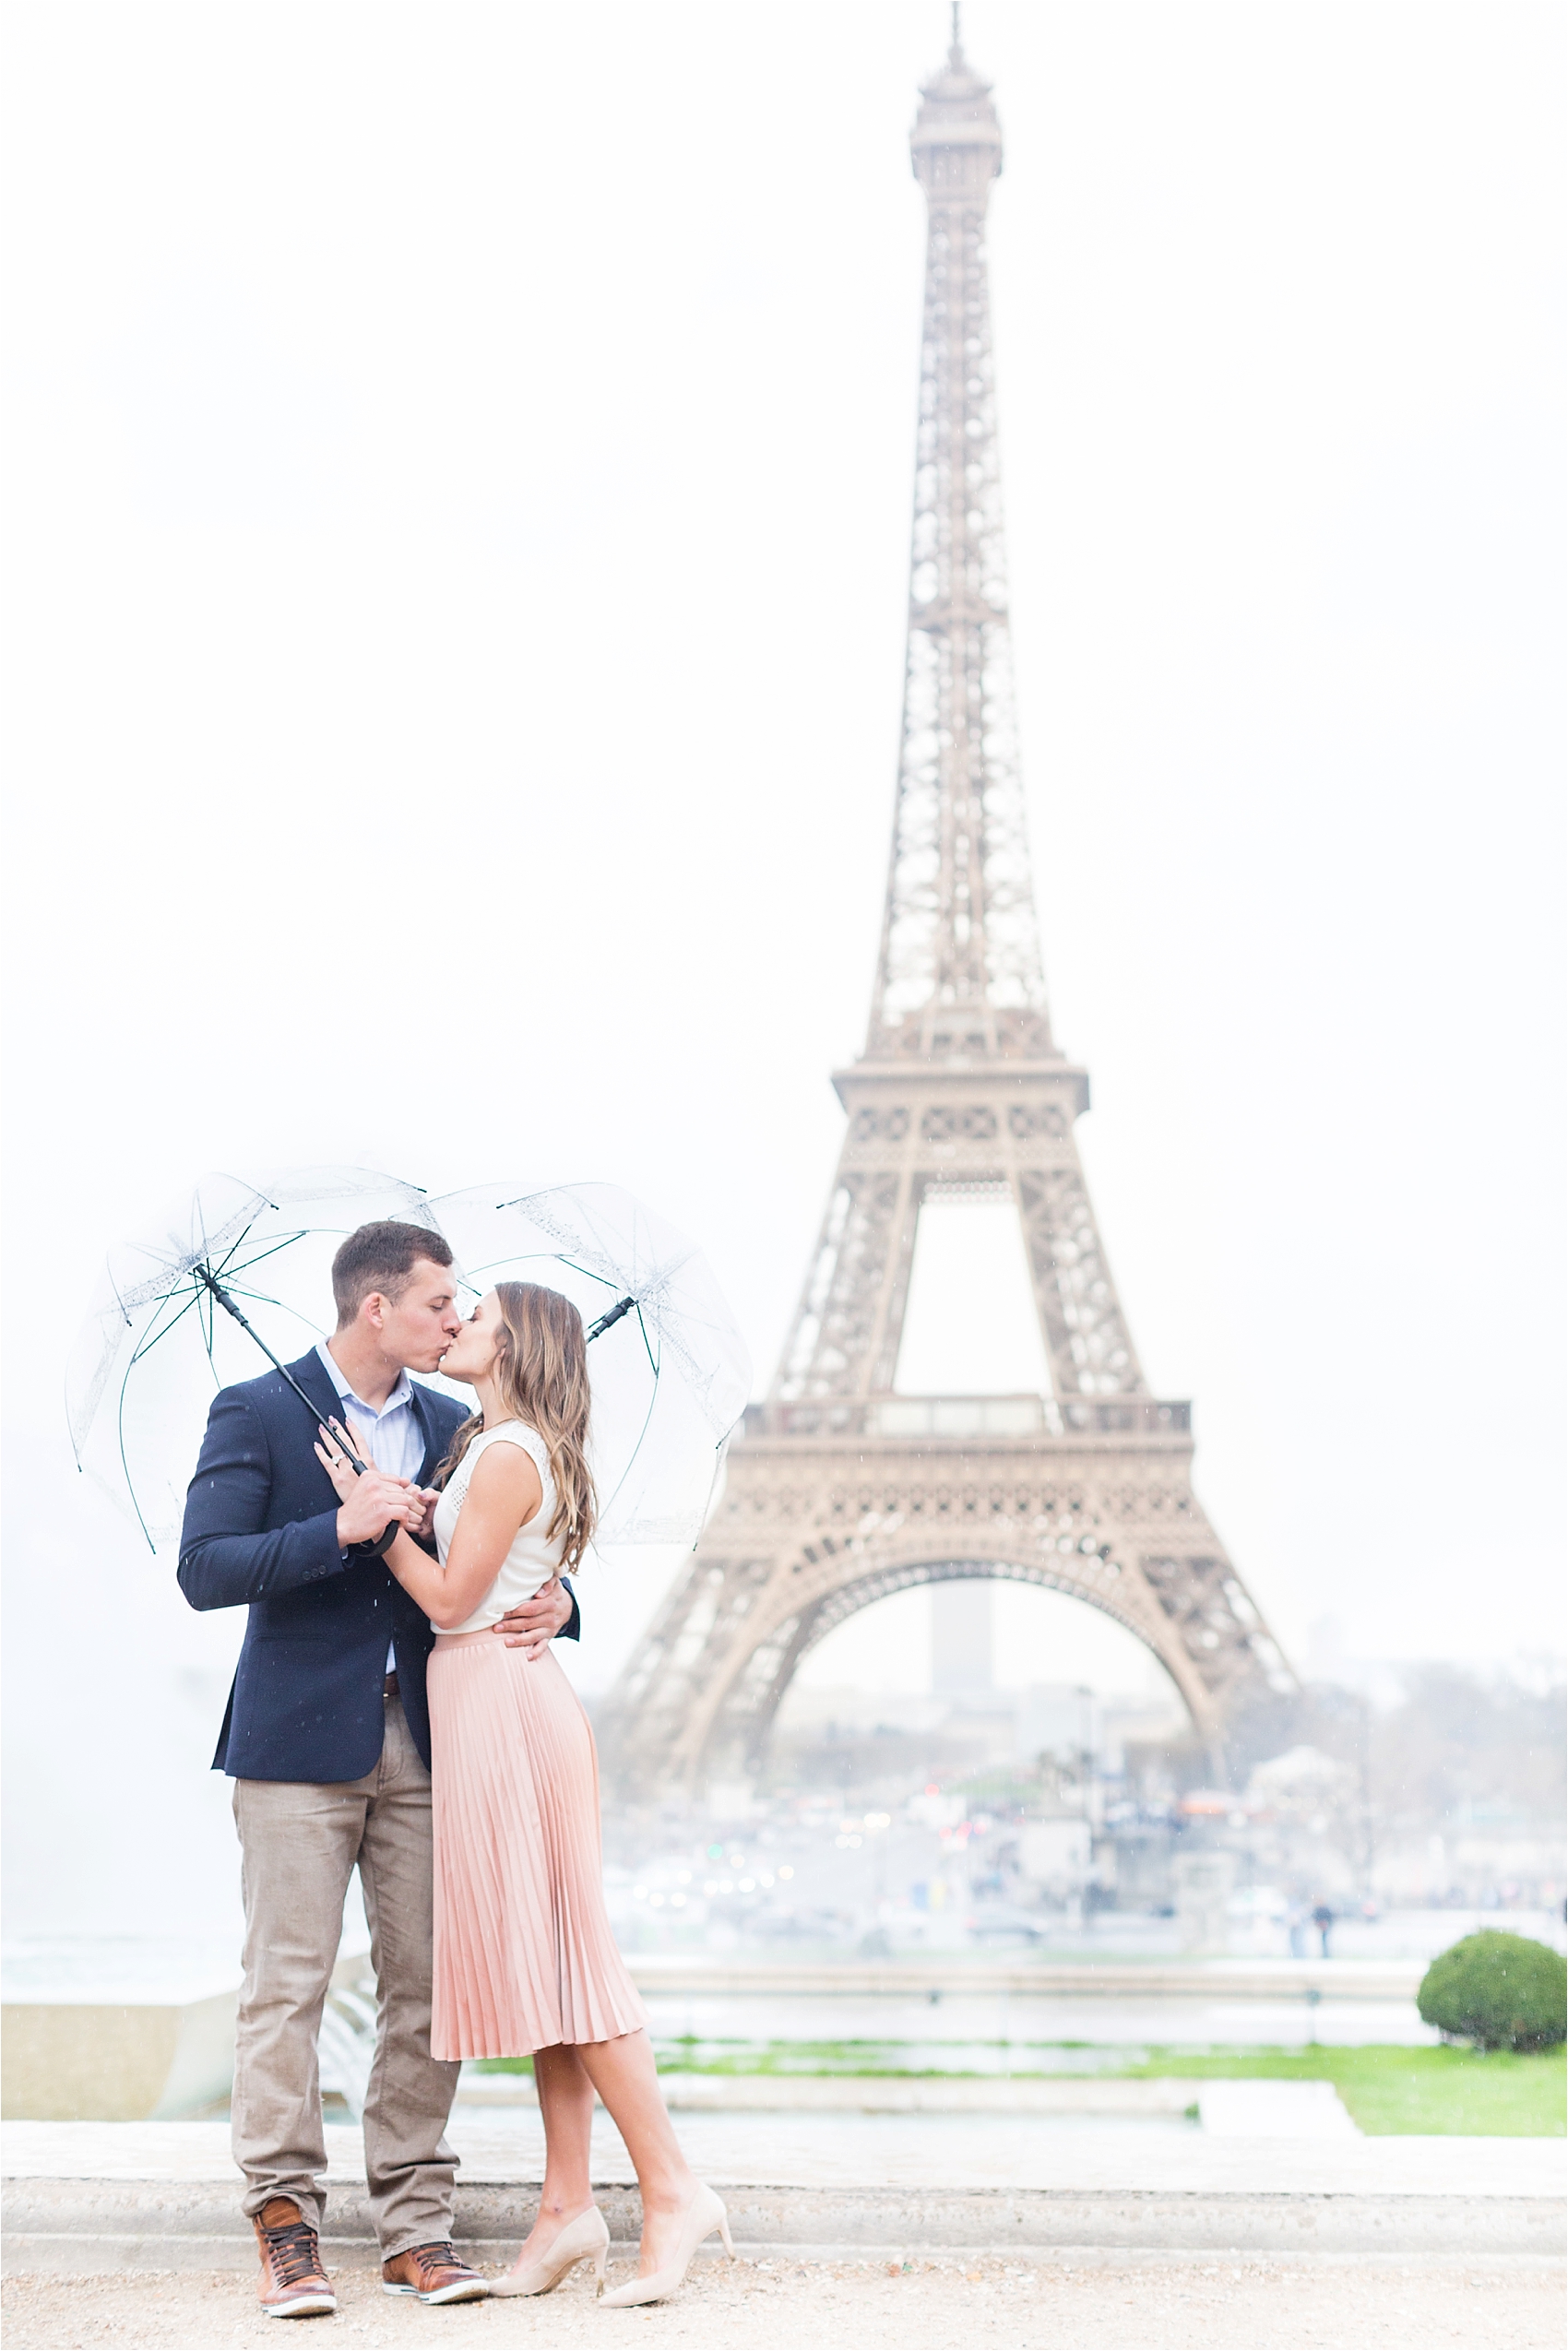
(420, 1499)
(426, 1498)
(371, 1500)
(330, 1453)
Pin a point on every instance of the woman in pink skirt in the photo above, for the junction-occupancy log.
(525, 1962)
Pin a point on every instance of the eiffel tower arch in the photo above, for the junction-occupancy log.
(841, 1491)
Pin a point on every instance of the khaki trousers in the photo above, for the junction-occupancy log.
(300, 1843)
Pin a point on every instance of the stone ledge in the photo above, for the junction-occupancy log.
(80, 2226)
(1327, 1979)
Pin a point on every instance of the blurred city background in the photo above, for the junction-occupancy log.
(1070, 1816)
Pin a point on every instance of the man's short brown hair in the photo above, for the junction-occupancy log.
(382, 1257)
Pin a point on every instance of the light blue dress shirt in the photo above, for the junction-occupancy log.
(393, 1434)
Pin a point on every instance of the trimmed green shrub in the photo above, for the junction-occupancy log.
(1501, 1991)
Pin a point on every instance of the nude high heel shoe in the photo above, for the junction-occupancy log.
(704, 2214)
(585, 2238)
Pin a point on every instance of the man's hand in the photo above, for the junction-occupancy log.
(375, 1502)
(533, 1626)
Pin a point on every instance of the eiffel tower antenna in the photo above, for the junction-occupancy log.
(841, 1491)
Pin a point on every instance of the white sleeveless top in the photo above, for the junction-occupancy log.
(533, 1558)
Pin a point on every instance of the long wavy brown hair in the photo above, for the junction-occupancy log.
(542, 1371)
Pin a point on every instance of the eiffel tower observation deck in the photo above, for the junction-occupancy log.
(841, 1491)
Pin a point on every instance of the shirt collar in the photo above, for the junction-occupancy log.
(402, 1393)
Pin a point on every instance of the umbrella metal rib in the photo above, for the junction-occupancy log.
(204, 1273)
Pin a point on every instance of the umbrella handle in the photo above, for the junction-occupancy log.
(608, 1322)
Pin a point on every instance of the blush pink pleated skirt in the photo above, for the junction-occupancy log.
(524, 1955)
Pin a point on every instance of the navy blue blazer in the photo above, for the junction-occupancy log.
(261, 1528)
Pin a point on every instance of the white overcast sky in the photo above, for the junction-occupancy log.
(459, 465)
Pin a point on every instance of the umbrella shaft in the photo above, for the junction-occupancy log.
(221, 1295)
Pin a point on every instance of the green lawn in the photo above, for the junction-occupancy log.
(1389, 2091)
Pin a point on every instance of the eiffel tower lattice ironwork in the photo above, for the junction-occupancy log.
(840, 1490)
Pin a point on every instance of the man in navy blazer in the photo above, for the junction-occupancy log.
(326, 1738)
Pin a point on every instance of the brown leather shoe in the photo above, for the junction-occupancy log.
(434, 2273)
(292, 2282)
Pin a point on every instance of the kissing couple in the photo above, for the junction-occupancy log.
(396, 1708)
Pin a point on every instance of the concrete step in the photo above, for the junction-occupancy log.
(1238, 2109)
(1292, 2110)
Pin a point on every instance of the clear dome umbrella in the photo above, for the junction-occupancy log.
(240, 1269)
(669, 1369)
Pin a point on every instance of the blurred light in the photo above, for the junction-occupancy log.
(786, 1872)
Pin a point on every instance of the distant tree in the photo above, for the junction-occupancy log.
(1459, 1743)
(1455, 1743)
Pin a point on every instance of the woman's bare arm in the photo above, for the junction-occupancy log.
(503, 1493)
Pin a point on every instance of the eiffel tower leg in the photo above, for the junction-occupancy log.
(1087, 1342)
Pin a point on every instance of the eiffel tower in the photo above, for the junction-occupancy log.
(841, 1491)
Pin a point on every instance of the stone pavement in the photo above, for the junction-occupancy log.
(911, 2304)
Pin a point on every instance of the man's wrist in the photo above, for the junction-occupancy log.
(358, 1546)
